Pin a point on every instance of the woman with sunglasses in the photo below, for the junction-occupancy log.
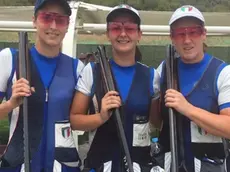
(50, 92)
(203, 99)
(136, 85)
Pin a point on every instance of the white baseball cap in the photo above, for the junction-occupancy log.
(186, 11)
(124, 8)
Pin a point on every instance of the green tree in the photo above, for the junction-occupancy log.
(162, 5)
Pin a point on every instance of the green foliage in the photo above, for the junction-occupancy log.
(4, 131)
(156, 5)
(16, 2)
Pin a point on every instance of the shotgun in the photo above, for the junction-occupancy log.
(23, 60)
(107, 78)
(170, 70)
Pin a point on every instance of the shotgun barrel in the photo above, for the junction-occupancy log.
(109, 86)
(23, 61)
(172, 118)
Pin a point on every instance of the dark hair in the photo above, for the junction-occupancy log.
(86, 57)
(138, 55)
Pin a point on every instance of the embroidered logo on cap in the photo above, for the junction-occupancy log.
(124, 6)
(186, 8)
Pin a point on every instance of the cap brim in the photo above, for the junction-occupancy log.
(63, 3)
(118, 12)
(188, 15)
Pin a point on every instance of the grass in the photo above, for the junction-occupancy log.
(4, 131)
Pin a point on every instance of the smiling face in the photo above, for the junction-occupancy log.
(188, 35)
(51, 24)
(123, 33)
